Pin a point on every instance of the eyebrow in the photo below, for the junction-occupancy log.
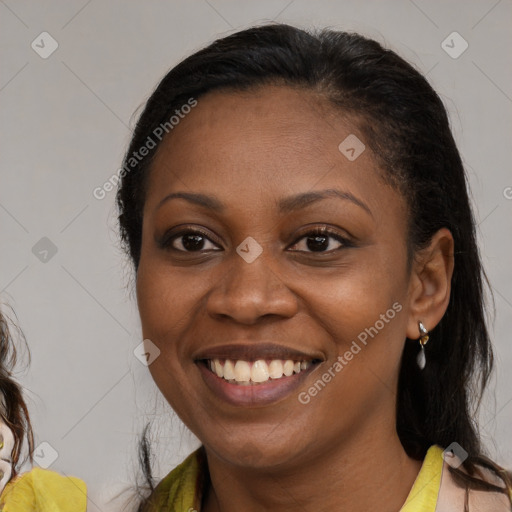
(286, 205)
(292, 203)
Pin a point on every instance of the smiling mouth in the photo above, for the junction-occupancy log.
(250, 373)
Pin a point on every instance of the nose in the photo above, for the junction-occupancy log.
(246, 292)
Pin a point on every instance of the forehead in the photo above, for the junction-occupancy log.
(275, 140)
(236, 124)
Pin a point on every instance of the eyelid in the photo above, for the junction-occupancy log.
(346, 241)
(165, 241)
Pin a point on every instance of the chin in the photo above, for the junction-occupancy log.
(255, 454)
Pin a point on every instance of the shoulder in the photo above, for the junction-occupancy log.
(453, 496)
(183, 487)
(494, 501)
(44, 490)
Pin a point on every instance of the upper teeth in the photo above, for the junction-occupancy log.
(257, 371)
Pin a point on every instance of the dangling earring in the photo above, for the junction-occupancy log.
(421, 359)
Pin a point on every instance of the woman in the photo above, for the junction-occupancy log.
(40, 490)
(308, 280)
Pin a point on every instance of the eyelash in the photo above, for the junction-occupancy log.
(327, 232)
(166, 242)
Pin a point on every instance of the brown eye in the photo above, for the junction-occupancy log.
(322, 240)
(188, 241)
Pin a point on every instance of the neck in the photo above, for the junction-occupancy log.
(371, 471)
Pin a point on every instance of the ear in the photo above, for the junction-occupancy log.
(430, 283)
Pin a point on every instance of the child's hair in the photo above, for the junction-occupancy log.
(13, 409)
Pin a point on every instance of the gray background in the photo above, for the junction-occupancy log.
(65, 124)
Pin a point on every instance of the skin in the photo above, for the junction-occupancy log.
(250, 150)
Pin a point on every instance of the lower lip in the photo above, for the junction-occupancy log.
(264, 393)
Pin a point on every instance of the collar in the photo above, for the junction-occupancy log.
(434, 489)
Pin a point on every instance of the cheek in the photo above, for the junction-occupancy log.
(363, 312)
(166, 299)
(365, 319)
(354, 311)
(165, 315)
(353, 300)
(161, 314)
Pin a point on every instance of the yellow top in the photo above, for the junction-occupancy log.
(425, 490)
(43, 490)
(182, 489)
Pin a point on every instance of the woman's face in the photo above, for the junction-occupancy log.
(256, 285)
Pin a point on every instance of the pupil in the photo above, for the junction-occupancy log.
(196, 244)
(318, 243)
